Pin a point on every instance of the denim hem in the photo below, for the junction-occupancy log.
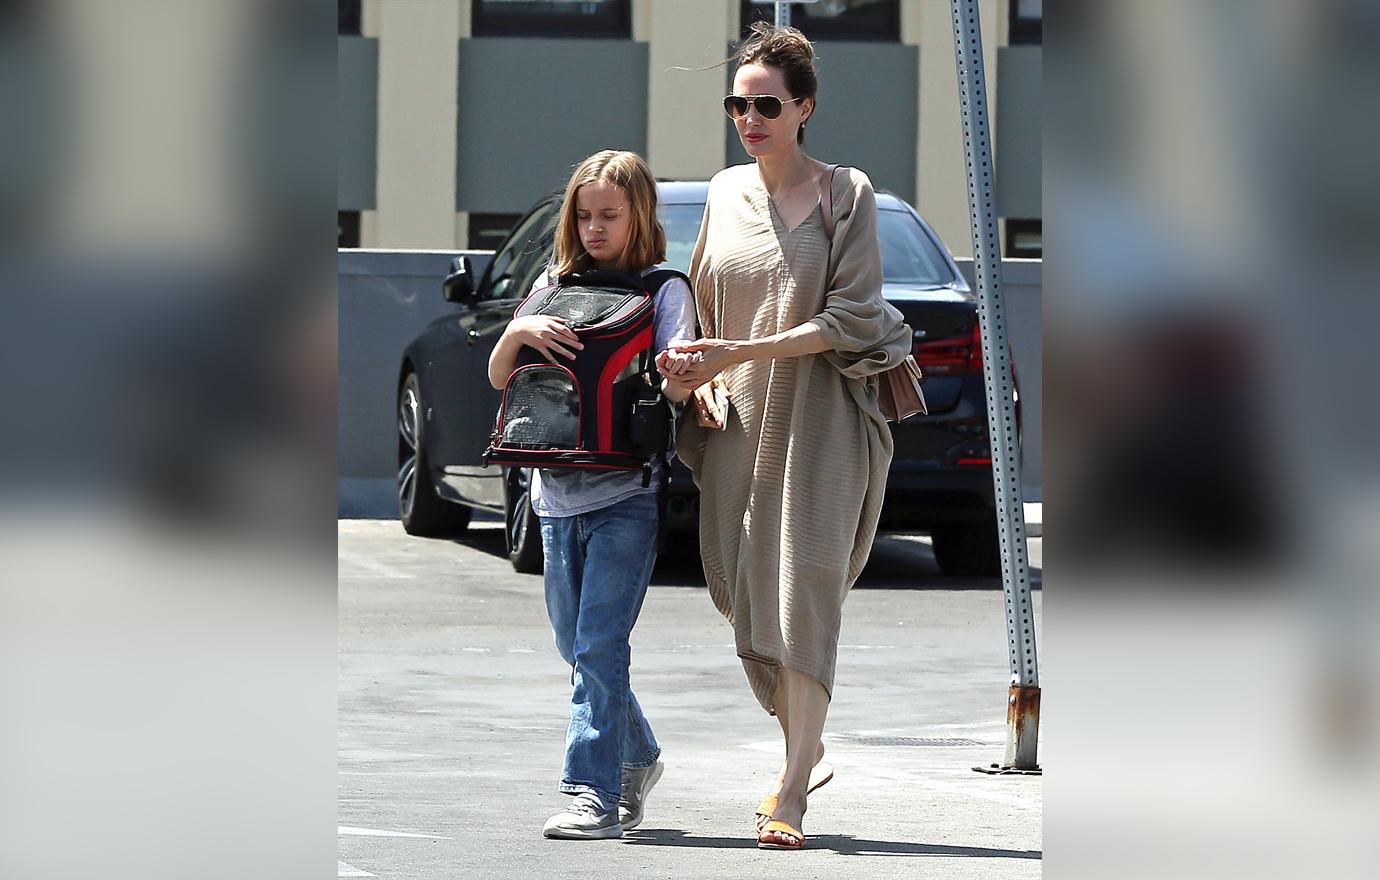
(651, 763)
(581, 788)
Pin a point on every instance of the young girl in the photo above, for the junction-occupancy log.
(599, 529)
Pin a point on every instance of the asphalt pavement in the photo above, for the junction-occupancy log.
(453, 701)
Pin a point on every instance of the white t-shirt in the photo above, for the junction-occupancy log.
(570, 492)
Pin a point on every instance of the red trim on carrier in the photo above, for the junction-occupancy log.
(612, 367)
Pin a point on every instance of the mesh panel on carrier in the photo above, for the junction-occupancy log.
(583, 307)
(542, 410)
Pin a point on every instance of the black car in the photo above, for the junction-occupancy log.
(941, 477)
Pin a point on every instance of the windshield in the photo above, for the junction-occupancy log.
(908, 254)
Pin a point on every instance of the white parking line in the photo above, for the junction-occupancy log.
(350, 871)
(377, 569)
(373, 832)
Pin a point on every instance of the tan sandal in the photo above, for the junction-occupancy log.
(819, 775)
(780, 829)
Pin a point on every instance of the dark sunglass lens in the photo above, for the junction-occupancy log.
(769, 106)
(736, 106)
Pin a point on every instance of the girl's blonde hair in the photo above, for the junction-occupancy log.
(646, 239)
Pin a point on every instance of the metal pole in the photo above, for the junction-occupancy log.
(1023, 699)
(783, 10)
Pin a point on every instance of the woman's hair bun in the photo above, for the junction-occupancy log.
(768, 39)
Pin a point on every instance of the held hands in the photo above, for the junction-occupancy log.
(712, 357)
(673, 363)
(695, 367)
(546, 334)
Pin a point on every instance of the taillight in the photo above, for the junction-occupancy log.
(955, 356)
(945, 357)
(975, 359)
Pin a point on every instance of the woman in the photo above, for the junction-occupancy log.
(791, 474)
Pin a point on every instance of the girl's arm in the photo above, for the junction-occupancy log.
(674, 391)
(547, 335)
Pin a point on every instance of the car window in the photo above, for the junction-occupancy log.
(909, 256)
(522, 257)
(682, 225)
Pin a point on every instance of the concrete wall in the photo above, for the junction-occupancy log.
(520, 137)
(417, 119)
(941, 178)
(684, 112)
(387, 298)
(1023, 286)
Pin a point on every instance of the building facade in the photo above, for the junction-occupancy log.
(456, 115)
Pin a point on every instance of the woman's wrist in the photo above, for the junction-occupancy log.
(741, 351)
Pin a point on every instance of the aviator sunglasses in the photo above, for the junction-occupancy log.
(768, 106)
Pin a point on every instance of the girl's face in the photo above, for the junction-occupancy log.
(604, 216)
(761, 136)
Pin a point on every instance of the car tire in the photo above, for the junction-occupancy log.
(967, 550)
(422, 511)
(522, 529)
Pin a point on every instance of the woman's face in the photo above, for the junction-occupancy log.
(604, 216)
(768, 137)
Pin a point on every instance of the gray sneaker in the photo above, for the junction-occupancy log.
(584, 819)
(636, 784)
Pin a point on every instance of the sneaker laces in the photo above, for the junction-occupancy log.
(586, 803)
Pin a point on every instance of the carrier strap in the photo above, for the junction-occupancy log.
(653, 281)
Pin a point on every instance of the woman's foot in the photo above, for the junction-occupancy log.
(821, 774)
(782, 831)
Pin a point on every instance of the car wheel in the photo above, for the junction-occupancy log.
(968, 550)
(421, 510)
(523, 530)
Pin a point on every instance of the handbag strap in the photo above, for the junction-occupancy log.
(826, 200)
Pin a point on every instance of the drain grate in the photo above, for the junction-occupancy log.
(928, 742)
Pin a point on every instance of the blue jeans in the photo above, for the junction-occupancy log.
(598, 565)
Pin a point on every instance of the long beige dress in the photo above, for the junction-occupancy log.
(791, 490)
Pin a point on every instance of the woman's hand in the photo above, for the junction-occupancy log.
(715, 356)
(708, 411)
(546, 334)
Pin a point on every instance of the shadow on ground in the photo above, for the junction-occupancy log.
(843, 844)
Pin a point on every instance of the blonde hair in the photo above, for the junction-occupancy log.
(646, 239)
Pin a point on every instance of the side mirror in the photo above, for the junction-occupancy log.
(458, 285)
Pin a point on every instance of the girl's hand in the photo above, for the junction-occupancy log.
(708, 413)
(546, 334)
(715, 356)
(672, 363)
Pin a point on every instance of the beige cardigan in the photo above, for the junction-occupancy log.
(792, 489)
